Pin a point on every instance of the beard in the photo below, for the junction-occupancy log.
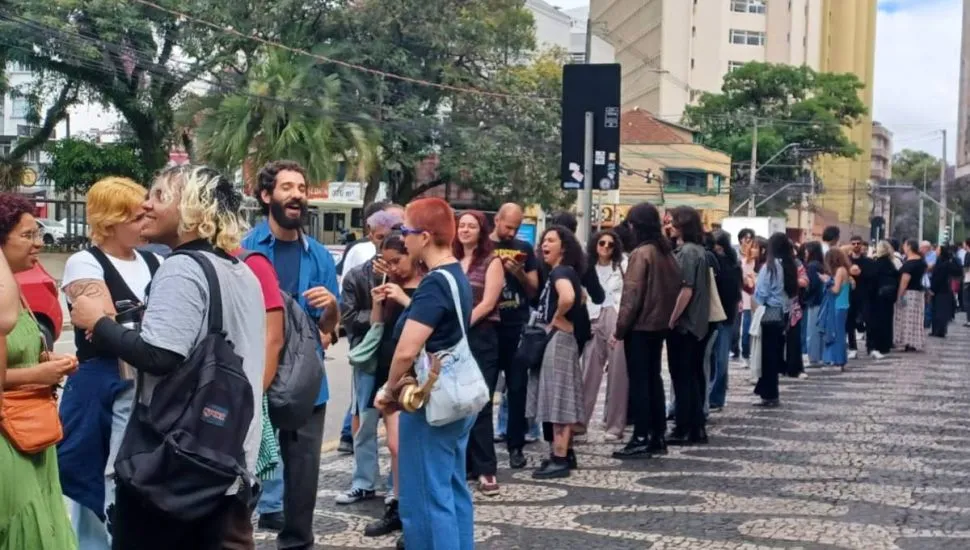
(278, 211)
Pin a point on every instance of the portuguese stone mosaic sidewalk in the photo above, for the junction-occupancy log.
(875, 458)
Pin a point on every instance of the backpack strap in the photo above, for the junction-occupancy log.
(212, 280)
(151, 260)
(116, 284)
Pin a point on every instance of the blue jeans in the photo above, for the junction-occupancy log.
(719, 372)
(814, 343)
(503, 421)
(367, 469)
(346, 431)
(436, 505)
(746, 334)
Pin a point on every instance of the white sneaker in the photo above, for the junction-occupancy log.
(853, 354)
(876, 355)
(745, 364)
(806, 359)
(803, 376)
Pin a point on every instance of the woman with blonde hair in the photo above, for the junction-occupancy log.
(885, 276)
(97, 399)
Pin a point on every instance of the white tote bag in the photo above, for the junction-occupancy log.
(460, 390)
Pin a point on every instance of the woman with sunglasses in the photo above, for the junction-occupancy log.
(436, 505)
(605, 259)
(32, 512)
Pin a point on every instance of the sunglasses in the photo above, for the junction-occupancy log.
(407, 231)
(606, 244)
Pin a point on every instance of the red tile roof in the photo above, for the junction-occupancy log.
(638, 127)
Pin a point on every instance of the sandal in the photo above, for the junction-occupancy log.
(488, 486)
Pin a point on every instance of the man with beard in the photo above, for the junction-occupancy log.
(306, 272)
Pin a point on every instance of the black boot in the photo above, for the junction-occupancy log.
(556, 467)
(386, 525)
(657, 445)
(638, 447)
(570, 459)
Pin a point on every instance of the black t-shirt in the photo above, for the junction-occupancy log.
(549, 300)
(513, 305)
(432, 305)
(916, 269)
(385, 354)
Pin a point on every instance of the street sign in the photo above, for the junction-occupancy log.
(596, 89)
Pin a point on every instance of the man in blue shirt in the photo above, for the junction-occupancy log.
(306, 272)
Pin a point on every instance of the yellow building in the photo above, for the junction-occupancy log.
(662, 165)
(848, 45)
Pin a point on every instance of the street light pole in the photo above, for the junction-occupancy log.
(752, 209)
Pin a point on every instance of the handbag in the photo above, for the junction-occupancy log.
(717, 313)
(29, 418)
(459, 390)
(364, 355)
(532, 347)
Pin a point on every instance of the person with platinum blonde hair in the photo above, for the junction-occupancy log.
(193, 210)
(97, 400)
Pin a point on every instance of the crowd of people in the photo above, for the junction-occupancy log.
(197, 393)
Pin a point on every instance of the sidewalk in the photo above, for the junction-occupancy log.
(876, 458)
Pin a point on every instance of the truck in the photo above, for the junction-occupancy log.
(763, 226)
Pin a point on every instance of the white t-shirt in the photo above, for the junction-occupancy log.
(83, 265)
(358, 255)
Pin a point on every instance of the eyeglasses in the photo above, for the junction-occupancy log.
(407, 231)
(606, 244)
(34, 235)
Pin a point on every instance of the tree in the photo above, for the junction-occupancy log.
(77, 164)
(792, 105)
(915, 167)
(471, 44)
(132, 56)
(284, 108)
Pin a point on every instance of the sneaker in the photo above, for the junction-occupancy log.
(517, 460)
(853, 354)
(803, 376)
(355, 495)
(745, 363)
(488, 486)
(346, 446)
(386, 525)
(876, 355)
(272, 521)
(499, 438)
(552, 469)
(613, 437)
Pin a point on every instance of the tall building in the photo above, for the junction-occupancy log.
(674, 50)
(963, 122)
(882, 153)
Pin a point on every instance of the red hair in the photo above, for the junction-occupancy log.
(484, 246)
(435, 216)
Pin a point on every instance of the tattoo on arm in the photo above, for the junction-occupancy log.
(92, 288)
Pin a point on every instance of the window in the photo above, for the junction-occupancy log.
(20, 107)
(734, 65)
(748, 6)
(685, 181)
(749, 38)
(577, 58)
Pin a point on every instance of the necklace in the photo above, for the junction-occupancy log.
(442, 262)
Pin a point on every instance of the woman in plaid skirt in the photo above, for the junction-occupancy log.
(909, 333)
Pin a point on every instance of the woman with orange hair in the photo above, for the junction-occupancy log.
(435, 503)
(97, 399)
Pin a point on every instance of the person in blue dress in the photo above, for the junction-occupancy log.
(838, 286)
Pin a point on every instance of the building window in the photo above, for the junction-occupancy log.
(749, 38)
(748, 6)
(685, 181)
(734, 65)
(20, 107)
(577, 58)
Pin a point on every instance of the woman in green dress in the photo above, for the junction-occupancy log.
(32, 512)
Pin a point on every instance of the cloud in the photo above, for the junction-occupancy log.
(916, 85)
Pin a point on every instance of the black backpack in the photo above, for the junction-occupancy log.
(183, 452)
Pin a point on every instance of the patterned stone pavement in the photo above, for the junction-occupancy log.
(875, 458)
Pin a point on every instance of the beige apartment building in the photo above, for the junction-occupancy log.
(674, 50)
(881, 169)
(963, 122)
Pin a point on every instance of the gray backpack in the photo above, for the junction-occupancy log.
(293, 393)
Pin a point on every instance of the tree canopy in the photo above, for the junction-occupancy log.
(912, 166)
(77, 164)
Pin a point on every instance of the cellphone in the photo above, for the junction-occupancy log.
(520, 257)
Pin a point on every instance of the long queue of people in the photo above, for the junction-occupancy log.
(197, 394)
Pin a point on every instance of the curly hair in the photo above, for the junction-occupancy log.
(266, 180)
(572, 251)
(484, 246)
(12, 209)
(208, 203)
(592, 254)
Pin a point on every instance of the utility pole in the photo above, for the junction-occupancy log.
(752, 210)
(852, 212)
(942, 219)
(920, 230)
(584, 201)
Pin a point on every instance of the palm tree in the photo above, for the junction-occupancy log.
(285, 109)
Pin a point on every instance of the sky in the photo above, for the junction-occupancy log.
(917, 71)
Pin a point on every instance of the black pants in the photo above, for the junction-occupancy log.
(943, 305)
(685, 353)
(480, 458)
(643, 358)
(772, 359)
(516, 384)
(300, 451)
(851, 324)
(794, 365)
(139, 525)
(966, 300)
(879, 329)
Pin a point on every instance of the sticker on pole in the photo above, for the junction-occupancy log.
(575, 180)
(599, 158)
